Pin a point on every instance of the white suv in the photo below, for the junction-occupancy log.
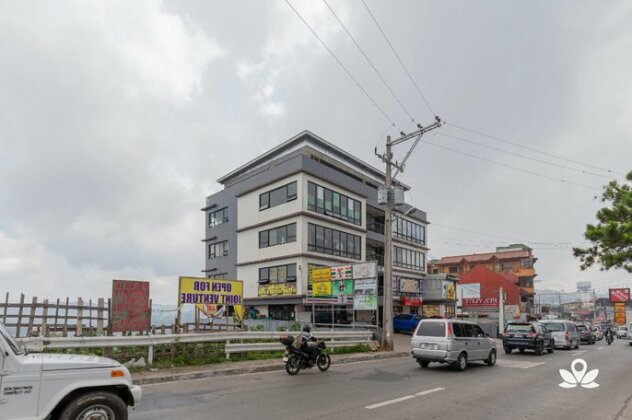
(622, 331)
(62, 386)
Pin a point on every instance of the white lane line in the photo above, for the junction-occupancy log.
(396, 400)
(430, 391)
(530, 365)
(600, 348)
(577, 353)
(404, 398)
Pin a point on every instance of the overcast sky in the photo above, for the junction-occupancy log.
(117, 117)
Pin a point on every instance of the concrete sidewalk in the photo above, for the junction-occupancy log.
(246, 367)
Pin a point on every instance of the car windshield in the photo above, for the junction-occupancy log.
(10, 340)
(431, 329)
(582, 328)
(520, 328)
(554, 326)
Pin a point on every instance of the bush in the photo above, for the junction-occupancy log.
(295, 326)
(258, 327)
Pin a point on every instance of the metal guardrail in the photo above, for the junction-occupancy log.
(248, 347)
(337, 338)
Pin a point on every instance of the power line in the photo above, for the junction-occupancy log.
(534, 150)
(366, 57)
(512, 167)
(342, 65)
(399, 59)
(524, 156)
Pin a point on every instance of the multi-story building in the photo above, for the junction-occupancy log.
(307, 203)
(517, 259)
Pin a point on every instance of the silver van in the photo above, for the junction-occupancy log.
(451, 341)
(564, 333)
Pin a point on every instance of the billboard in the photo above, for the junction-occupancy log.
(621, 295)
(469, 290)
(130, 306)
(321, 274)
(365, 270)
(203, 292)
(409, 286)
(584, 286)
(480, 302)
(343, 272)
(619, 313)
(365, 295)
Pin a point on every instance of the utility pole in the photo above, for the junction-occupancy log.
(387, 158)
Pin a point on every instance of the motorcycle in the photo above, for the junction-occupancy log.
(609, 338)
(295, 359)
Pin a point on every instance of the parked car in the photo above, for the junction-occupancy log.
(629, 337)
(585, 334)
(622, 331)
(598, 332)
(524, 335)
(66, 386)
(406, 322)
(564, 333)
(451, 341)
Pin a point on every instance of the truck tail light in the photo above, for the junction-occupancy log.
(117, 374)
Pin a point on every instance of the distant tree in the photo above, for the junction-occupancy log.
(612, 236)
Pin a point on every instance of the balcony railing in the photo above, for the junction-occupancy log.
(376, 227)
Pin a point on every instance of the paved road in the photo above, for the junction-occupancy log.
(520, 386)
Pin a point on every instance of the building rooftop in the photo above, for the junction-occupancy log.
(303, 139)
(472, 258)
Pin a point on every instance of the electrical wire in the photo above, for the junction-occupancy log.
(342, 65)
(533, 149)
(399, 59)
(524, 156)
(366, 57)
(510, 167)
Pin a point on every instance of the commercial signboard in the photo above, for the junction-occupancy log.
(365, 295)
(322, 288)
(203, 292)
(619, 313)
(283, 289)
(321, 274)
(365, 270)
(342, 287)
(620, 295)
(410, 301)
(449, 291)
(480, 302)
(470, 290)
(409, 286)
(342, 272)
(130, 306)
(584, 286)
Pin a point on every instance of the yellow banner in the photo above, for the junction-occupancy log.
(277, 290)
(321, 274)
(205, 291)
(322, 288)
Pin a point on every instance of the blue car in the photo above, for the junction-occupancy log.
(406, 322)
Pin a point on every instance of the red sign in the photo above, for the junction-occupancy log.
(408, 301)
(619, 313)
(130, 306)
(620, 295)
(480, 302)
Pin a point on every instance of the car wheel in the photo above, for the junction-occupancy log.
(95, 405)
(551, 347)
(461, 362)
(491, 359)
(423, 363)
(509, 349)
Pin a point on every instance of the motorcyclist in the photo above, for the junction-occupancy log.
(608, 333)
(308, 343)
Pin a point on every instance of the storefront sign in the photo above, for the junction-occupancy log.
(277, 290)
(409, 301)
(449, 291)
(342, 287)
(409, 286)
(342, 272)
(365, 270)
(365, 295)
(322, 288)
(619, 295)
(430, 311)
(130, 306)
(480, 302)
(321, 274)
(210, 291)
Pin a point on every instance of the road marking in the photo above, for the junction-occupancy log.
(600, 348)
(430, 391)
(404, 398)
(396, 400)
(577, 353)
(530, 365)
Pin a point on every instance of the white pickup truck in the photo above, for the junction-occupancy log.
(62, 386)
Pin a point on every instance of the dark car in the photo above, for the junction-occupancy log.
(586, 335)
(527, 335)
(406, 322)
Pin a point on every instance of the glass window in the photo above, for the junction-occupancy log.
(264, 201)
(334, 242)
(431, 329)
(291, 190)
(218, 249)
(277, 236)
(277, 196)
(328, 201)
(320, 197)
(311, 196)
(334, 204)
(218, 217)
